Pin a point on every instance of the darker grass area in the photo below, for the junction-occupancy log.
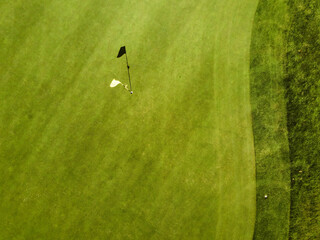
(267, 93)
(303, 95)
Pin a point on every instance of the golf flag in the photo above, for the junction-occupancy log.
(121, 51)
(114, 83)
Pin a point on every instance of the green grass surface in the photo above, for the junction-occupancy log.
(268, 52)
(303, 88)
(80, 160)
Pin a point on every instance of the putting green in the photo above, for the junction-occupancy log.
(175, 160)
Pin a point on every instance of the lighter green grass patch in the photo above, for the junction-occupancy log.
(175, 160)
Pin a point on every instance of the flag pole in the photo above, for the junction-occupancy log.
(128, 72)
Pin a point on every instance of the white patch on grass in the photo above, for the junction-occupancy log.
(115, 83)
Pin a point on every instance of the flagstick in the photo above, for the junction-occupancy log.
(128, 72)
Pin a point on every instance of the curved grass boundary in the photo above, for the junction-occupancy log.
(267, 68)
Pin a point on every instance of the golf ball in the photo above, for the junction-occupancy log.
(266, 196)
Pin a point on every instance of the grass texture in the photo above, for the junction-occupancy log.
(80, 160)
(268, 52)
(303, 88)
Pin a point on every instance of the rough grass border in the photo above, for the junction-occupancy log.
(267, 71)
(303, 101)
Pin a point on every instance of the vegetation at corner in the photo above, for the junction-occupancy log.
(303, 109)
(267, 71)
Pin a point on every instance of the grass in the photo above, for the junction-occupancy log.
(83, 161)
(303, 85)
(268, 51)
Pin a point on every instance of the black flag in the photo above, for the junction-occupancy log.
(121, 51)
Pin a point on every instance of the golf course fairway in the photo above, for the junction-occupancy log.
(81, 160)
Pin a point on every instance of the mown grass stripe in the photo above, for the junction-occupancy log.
(267, 71)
